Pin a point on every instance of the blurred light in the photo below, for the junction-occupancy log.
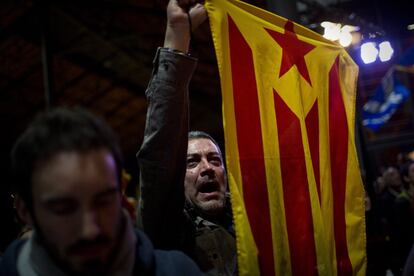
(337, 32)
(372, 35)
(345, 37)
(356, 38)
(385, 51)
(331, 30)
(350, 28)
(368, 52)
(313, 26)
(410, 27)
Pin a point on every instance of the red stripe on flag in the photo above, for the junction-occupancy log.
(338, 139)
(312, 127)
(249, 139)
(298, 213)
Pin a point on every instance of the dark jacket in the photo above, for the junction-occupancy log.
(147, 260)
(162, 162)
(409, 264)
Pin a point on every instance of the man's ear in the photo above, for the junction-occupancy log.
(22, 210)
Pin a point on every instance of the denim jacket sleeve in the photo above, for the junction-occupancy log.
(162, 156)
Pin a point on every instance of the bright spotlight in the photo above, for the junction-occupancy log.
(368, 52)
(385, 51)
(345, 38)
(347, 35)
(331, 30)
(337, 32)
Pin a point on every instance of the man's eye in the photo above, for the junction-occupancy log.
(191, 163)
(62, 208)
(215, 161)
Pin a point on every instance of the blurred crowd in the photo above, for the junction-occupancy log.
(390, 217)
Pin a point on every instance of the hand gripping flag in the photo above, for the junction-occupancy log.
(289, 110)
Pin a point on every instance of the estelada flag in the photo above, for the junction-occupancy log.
(289, 115)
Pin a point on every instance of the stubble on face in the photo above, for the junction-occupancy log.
(70, 187)
(205, 181)
(70, 261)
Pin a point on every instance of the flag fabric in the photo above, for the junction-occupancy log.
(289, 115)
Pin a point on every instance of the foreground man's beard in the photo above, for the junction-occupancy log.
(71, 261)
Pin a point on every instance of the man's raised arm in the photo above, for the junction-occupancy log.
(162, 156)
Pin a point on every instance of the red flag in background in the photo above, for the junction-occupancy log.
(289, 113)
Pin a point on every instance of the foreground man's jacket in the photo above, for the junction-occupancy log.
(146, 261)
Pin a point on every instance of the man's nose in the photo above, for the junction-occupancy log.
(206, 168)
(90, 225)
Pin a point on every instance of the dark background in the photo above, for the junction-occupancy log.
(98, 54)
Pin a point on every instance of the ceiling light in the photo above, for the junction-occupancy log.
(368, 52)
(385, 51)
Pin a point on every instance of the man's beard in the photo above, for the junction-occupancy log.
(90, 267)
(209, 210)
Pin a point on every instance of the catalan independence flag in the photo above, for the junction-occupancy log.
(289, 115)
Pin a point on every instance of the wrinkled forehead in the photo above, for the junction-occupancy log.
(202, 146)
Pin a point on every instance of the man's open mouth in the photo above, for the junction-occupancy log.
(209, 189)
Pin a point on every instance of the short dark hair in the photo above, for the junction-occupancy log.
(53, 132)
(197, 134)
